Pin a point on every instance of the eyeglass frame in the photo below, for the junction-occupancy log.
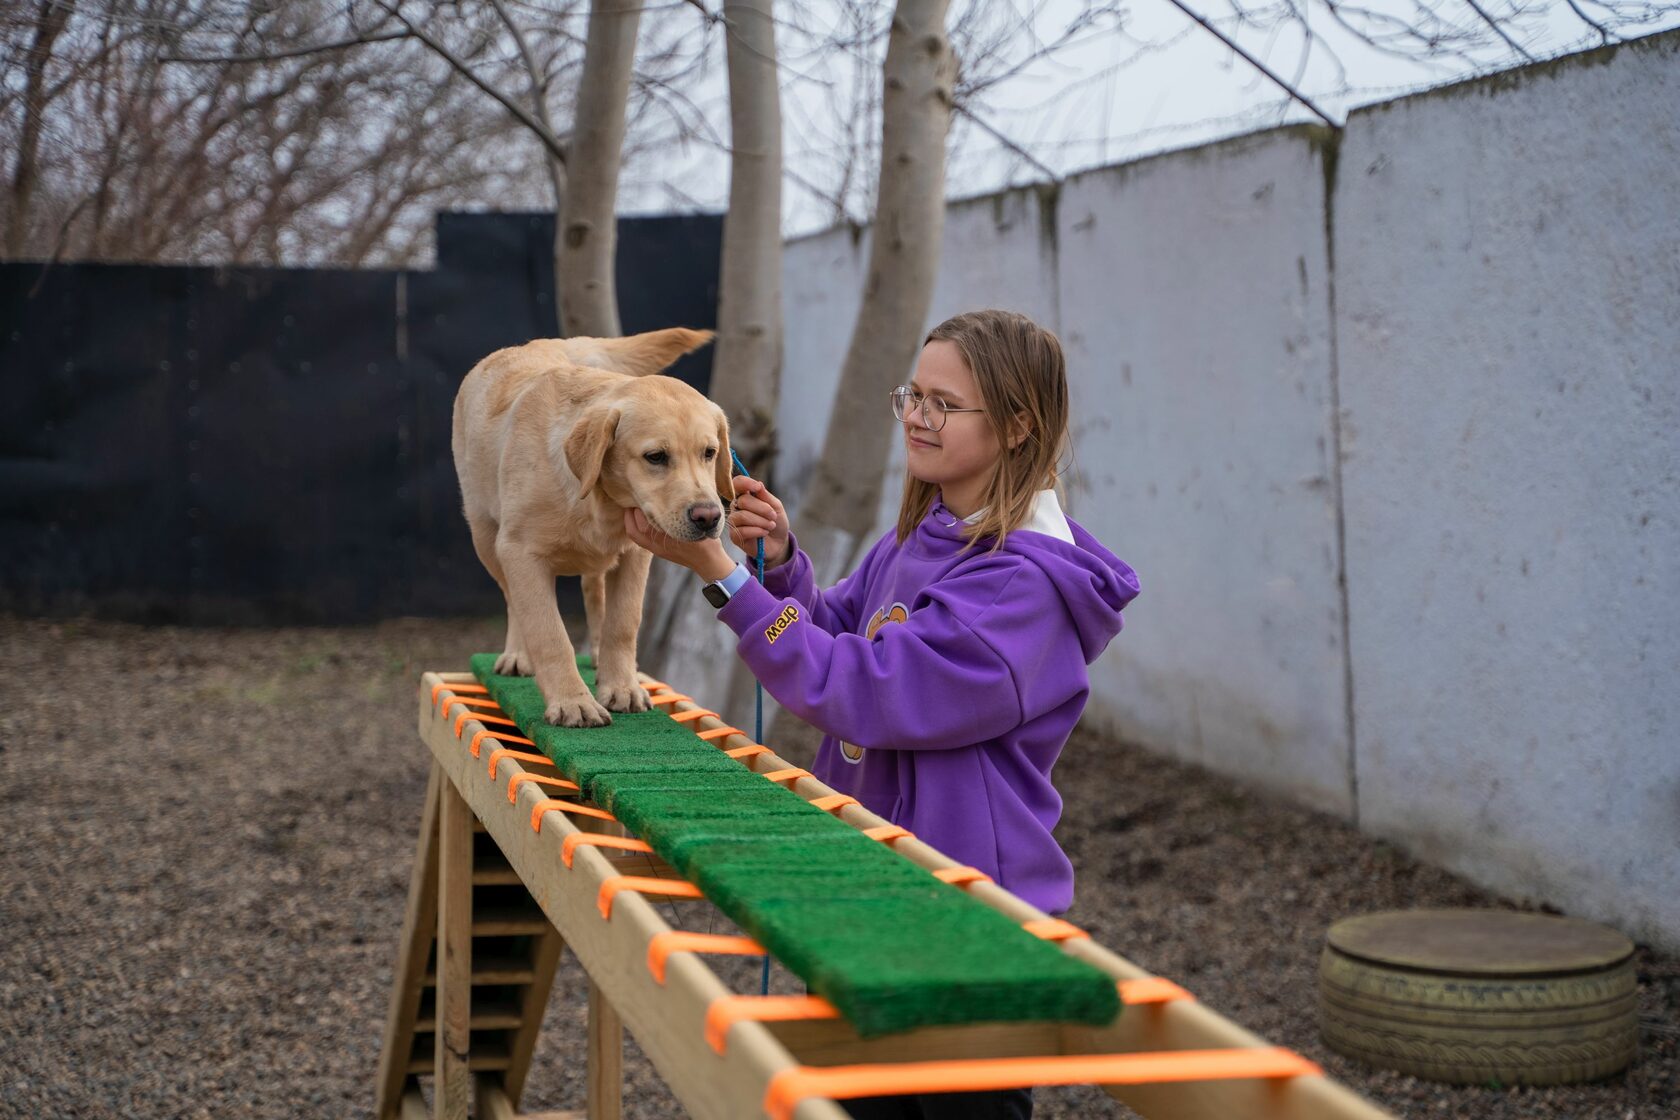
(920, 404)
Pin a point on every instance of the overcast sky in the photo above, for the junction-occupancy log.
(1137, 79)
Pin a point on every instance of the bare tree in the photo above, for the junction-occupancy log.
(587, 224)
(839, 507)
(748, 358)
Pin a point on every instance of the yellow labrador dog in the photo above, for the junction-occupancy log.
(553, 441)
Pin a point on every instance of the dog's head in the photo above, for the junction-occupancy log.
(661, 446)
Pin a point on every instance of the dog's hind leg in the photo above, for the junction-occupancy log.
(514, 661)
(595, 610)
(616, 685)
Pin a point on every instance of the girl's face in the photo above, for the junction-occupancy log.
(960, 457)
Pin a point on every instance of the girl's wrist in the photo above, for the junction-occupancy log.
(714, 565)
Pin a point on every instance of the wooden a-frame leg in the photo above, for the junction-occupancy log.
(452, 1084)
(409, 978)
(606, 1057)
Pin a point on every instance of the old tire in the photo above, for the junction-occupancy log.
(1479, 996)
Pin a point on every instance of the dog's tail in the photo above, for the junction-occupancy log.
(639, 353)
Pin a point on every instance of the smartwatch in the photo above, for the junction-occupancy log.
(720, 592)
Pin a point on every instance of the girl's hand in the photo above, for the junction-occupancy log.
(758, 514)
(705, 558)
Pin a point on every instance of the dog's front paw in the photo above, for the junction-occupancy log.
(577, 711)
(618, 697)
(515, 663)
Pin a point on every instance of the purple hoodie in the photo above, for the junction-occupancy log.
(946, 682)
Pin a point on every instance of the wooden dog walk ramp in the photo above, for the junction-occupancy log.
(513, 863)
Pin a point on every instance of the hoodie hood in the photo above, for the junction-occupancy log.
(1093, 583)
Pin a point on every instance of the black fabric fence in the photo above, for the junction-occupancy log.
(240, 445)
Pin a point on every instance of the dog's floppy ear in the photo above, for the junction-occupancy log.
(587, 445)
(725, 463)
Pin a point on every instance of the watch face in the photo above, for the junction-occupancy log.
(714, 594)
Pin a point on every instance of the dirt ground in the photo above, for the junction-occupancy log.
(207, 839)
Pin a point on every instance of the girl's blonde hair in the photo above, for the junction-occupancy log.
(1022, 376)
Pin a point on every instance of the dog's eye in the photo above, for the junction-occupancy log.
(711, 453)
(657, 458)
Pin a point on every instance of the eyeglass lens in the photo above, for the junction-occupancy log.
(933, 409)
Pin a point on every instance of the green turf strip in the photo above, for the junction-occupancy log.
(882, 939)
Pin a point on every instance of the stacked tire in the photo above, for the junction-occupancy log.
(1480, 996)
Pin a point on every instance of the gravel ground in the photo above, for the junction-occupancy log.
(207, 844)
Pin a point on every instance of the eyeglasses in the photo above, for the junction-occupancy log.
(906, 400)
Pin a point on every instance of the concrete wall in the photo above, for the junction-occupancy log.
(1451, 339)
(1508, 326)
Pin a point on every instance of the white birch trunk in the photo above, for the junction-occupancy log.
(681, 636)
(588, 233)
(845, 490)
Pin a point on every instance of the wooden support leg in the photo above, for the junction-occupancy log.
(606, 1057)
(545, 958)
(452, 1087)
(410, 975)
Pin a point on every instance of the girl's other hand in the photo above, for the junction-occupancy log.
(758, 515)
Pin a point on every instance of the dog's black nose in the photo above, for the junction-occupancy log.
(705, 516)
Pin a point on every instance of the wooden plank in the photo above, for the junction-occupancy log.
(605, 1095)
(452, 1085)
(503, 1015)
(507, 921)
(485, 1057)
(413, 1104)
(489, 971)
(667, 1021)
(545, 960)
(415, 946)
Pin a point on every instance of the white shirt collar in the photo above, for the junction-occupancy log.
(1046, 517)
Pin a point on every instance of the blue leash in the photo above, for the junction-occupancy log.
(758, 703)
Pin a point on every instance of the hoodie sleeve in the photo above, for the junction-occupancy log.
(936, 680)
(834, 610)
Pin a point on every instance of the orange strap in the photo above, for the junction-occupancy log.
(793, 772)
(469, 702)
(834, 801)
(692, 714)
(791, 1086)
(656, 686)
(1152, 989)
(485, 733)
(725, 1011)
(747, 751)
(598, 840)
(445, 686)
(887, 833)
(541, 779)
(481, 718)
(550, 805)
(667, 698)
(719, 733)
(957, 876)
(496, 757)
(643, 884)
(680, 941)
(1054, 929)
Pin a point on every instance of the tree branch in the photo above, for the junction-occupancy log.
(295, 52)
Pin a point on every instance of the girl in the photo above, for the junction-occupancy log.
(949, 669)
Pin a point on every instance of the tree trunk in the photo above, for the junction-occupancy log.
(681, 636)
(588, 234)
(845, 490)
(49, 24)
(748, 359)
(839, 506)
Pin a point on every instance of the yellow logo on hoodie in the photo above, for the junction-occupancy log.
(789, 616)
